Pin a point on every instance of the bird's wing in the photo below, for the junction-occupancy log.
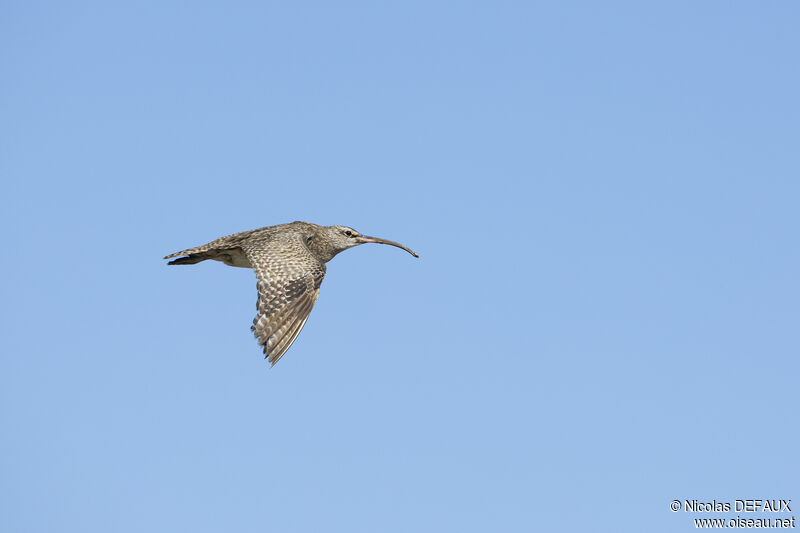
(289, 277)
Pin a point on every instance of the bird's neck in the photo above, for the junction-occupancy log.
(321, 248)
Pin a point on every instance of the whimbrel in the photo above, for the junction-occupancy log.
(289, 262)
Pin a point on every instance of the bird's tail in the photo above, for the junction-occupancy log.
(189, 259)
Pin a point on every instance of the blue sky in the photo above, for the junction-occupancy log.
(604, 316)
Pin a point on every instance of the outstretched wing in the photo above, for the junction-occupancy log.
(289, 278)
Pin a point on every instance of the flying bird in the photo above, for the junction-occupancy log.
(289, 262)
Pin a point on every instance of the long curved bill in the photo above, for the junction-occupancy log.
(365, 238)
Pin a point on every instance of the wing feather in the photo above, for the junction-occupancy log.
(289, 277)
(294, 324)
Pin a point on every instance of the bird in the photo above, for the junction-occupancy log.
(289, 263)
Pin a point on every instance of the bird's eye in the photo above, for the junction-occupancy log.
(348, 233)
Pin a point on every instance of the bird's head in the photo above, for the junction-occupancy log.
(330, 240)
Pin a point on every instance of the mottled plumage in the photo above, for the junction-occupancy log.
(289, 262)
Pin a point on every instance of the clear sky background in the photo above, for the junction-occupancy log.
(604, 316)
